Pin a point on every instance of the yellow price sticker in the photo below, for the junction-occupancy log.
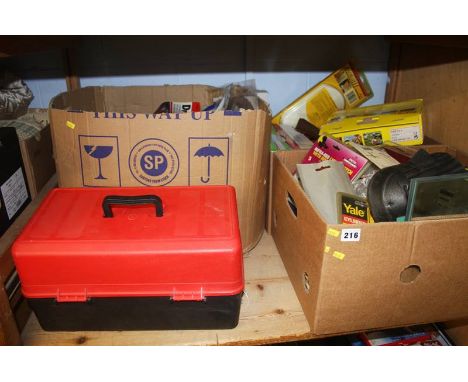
(70, 124)
(333, 232)
(339, 255)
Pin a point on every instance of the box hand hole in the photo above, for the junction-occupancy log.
(291, 204)
(305, 277)
(410, 273)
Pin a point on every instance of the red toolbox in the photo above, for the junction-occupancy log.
(120, 259)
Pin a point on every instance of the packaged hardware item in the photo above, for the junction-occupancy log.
(387, 193)
(14, 192)
(361, 183)
(422, 335)
(378, 156)
(398, 123)
(344, 89)
(437, 196)
(278, 142)
(294, 138)
(321, 182)
(352, 209)
(238, 96)
(327, 148)
(133, 258)
(178, 107)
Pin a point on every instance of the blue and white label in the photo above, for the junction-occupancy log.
(153, 162)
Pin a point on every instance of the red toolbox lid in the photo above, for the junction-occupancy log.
(71, 252)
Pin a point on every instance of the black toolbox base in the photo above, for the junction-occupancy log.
(137, 313)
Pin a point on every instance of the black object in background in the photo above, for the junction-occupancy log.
(309, 130)
(387, 193)
(14, 192)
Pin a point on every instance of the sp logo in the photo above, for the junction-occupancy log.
(153, 162)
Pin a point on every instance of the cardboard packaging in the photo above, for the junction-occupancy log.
(321, 182)
(35, 143)
(327, 148)
(36, 151)
(391, 123)
(343, 89)
(108, 137)
(348, 280)
(14, 193)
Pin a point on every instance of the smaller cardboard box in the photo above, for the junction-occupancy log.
(391, 123)
(36, 150)
(367, 276)
(14, 193)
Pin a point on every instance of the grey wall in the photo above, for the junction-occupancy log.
(284, 66)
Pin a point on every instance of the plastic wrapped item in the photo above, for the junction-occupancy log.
(345, 88)
(15, 96)
(362, 182)
(237, 96)
(177, 107)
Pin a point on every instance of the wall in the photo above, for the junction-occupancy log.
(284, 66)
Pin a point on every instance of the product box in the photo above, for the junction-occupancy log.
(343, 89)
(391, 123)
(108, 137)
(14, 193)
(367, 276)
(327, 148)
(35, 142)
(36, 151)
(421, 335)
(133, 258)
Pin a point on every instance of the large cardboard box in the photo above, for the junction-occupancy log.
(109, 137)
(393, 274)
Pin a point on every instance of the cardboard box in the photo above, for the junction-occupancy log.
(346, 286)
(39, 164)
(391, 123)
(109, 136)
(14, 193)
(343, 89)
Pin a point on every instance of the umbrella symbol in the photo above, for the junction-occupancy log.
(208, 151)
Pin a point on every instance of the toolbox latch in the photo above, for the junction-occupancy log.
(72, 297)
(188, 296)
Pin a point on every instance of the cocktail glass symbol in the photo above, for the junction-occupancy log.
(208, 151)
(99, 152)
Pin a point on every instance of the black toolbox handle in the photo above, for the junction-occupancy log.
(131, 200)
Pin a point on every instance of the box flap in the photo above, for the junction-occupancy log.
(129, 99)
